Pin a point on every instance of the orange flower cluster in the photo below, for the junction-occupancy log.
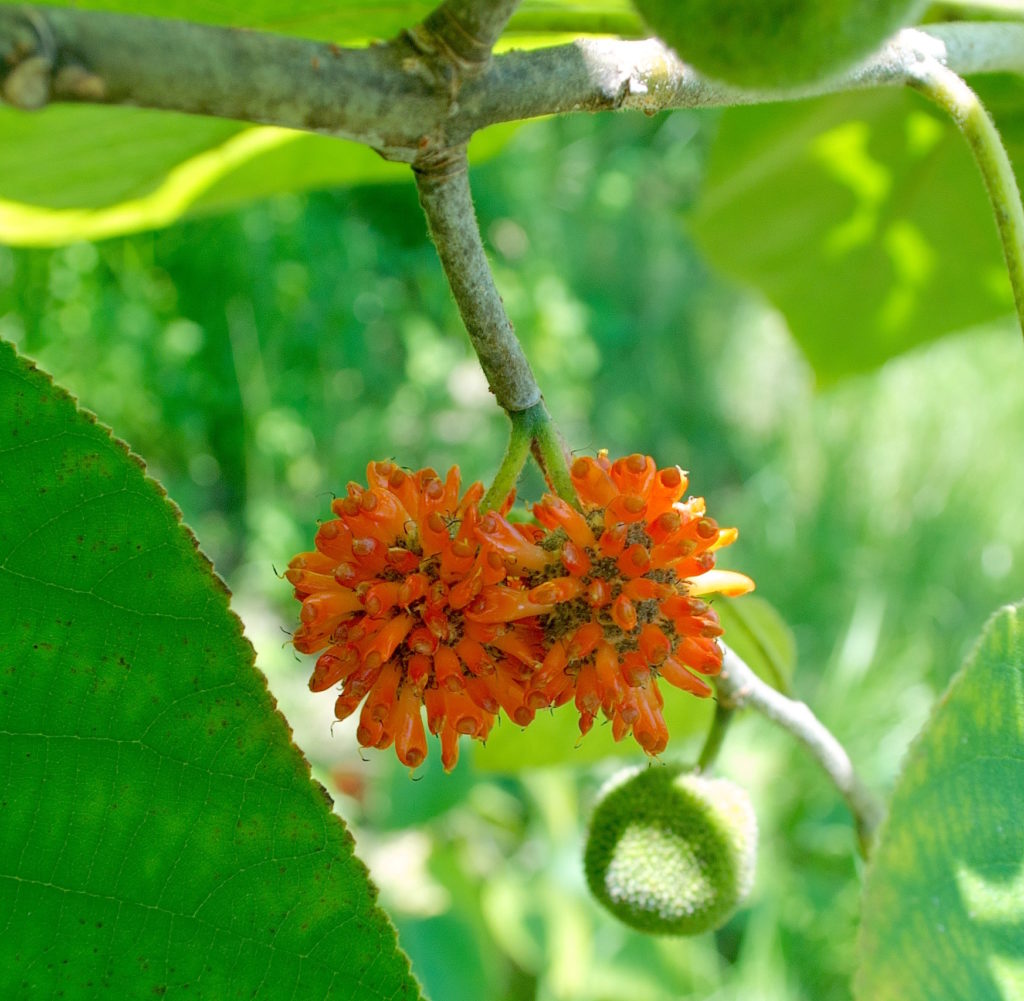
(417, 600)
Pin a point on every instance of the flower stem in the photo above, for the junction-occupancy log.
(532, 431)
(549, 453)
(942, 86)
(518, 451)
(739, 687)
(716, 736)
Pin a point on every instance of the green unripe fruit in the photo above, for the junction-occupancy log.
(670, 852)
(775, 43)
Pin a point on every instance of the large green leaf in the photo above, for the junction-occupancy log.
(78, 172)
(862, 217)
(159, 833)
(943, 916)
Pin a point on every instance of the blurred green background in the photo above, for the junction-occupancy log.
(258, 360)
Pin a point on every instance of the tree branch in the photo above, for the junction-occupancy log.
(738, 687)
(394, 97)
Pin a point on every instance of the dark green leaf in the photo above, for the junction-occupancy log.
(158, 830)
(943, 913)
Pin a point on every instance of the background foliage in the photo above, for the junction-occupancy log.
(259, 359)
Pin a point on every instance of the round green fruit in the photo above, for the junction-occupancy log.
(775, 43)
(670, 852)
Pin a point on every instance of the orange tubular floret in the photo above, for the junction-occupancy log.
(635, 669)
(654, 644)
(370, 730)
(588, 691)
(335, 540)
(700, 654)
(553, 666)
(650, 730)
(386, 639)
(327, 608)
(634, 474)
(613, 541)
(433, 533)
(517, 643)
(369, 554)
(481, 691)
(418, 672)
(449, 748)
(315, 562)
(466, 589)
(332, 667)
(496, 532)
(307, 582)
(383, 509)
(512, 697)
(574, 559)
(626, 508)
(407, 725)
(598, 593)
(381, 700)
(381, 598)
(676, 674)
(726, 582)
(553, 512)
(609, 676)
(474, 656)
(623, 613)
(634, 561)
(592, 482)
(422, 641)
(503, 604)
(448, 669)
(584, 640)
(465, 716)
(669, 485)
(433, 702)
(551, 592)
(644, 589)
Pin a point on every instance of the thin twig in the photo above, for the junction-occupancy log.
(942, 86)
(468, 29)
(739, 687)
(448, 205)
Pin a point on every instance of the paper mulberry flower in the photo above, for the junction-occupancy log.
(384, 596)
(619, 587)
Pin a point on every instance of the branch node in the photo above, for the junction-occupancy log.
(27, 86)
(74, 80)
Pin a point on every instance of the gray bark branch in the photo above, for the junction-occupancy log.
(400, 97)
(738, 687)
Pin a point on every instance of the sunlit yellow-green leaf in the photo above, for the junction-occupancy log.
(79, 172)
(862, 217)
(554, 736)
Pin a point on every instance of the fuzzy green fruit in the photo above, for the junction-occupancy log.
(775, 43)
(670, 852)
